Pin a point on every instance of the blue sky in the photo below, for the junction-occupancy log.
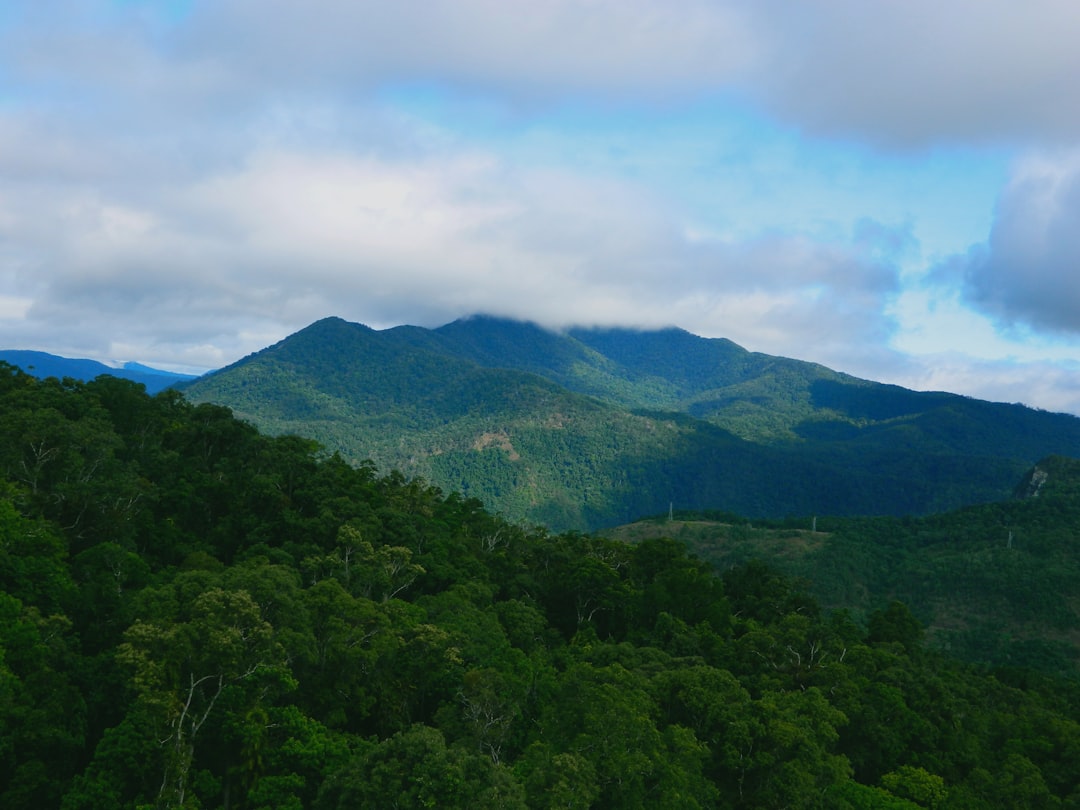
(890, 189)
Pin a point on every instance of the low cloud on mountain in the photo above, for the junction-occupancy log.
(182, 183)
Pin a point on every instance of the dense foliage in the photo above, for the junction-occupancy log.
(197, 615)
(994, 584)
(593, 428)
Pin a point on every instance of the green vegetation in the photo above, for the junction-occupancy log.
(597, 427)
(193, 614)
(994, 584)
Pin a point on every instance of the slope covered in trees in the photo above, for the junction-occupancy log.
(593, 428)
(994, 584)
(197, 615)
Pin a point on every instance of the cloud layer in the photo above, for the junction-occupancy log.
(923, 73)
(290, 236)
(183, 183)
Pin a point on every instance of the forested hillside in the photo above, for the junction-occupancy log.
(594, 428)
(193, 614)
(995, 584)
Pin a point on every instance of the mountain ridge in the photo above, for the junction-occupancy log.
(590, 427)
(43, 364)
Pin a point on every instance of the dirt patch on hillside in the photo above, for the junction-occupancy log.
(498, 439)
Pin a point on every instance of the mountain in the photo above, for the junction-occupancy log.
(668, 369)
(594, 427)
(42, 365)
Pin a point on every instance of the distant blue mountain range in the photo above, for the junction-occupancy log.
(42, 365)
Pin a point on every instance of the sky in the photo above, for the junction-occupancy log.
(891, 189)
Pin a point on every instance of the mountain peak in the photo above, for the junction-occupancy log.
(588, 427)
(333, 322)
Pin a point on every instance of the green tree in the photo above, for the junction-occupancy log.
(415, 769)
(555, 780)
(924, 788)
(42, 714)
(183, 661)
(895, 624)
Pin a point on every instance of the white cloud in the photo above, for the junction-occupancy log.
(1050, 386)
(292, 236)
(1027, 272)
(916, 73)
(923, 72)
(544, 49)
(913, 73)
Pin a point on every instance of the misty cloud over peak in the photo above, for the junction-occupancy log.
(186, 182)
